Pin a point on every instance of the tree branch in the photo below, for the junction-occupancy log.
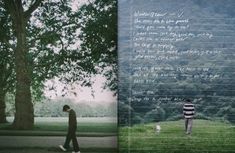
(32, 8)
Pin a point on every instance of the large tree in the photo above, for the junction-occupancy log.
(24, 109)
(45, 34)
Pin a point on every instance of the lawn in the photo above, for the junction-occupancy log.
(58, 127)
(207, 137)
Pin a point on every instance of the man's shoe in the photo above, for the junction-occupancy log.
(76, 152)
(62, 148)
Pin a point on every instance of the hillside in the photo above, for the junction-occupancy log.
(157, 73)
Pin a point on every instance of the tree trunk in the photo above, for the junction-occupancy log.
(24, 116)
(2, 107)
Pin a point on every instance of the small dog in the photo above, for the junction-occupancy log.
(158, 128)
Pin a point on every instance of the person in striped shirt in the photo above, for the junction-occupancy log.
(189, 112)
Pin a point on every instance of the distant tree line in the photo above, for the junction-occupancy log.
(219, 110)
(53, 108)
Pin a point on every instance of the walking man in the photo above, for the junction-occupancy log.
(188, 111)
(71, 135)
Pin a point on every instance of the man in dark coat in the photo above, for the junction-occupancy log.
(71, 135)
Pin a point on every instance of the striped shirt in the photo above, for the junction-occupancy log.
(188, 110)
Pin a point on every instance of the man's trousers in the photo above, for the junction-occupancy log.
(188, 125)
(72, 136)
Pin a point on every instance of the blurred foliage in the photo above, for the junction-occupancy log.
(53, 108)
(99, 37)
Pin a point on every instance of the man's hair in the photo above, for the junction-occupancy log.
(66, 107)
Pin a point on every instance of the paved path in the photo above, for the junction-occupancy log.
(53, 150)
(52, 142)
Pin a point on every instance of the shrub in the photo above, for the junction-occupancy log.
(155, 115)
(201, 116)
(231, 115)
(175, 118)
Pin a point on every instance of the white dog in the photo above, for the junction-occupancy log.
(158, 128)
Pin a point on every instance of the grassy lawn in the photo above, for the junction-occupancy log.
(58, 127)
(82, 127)
(207, 137)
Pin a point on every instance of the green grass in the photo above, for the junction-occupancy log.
(207, 137)
(58, 127)
(82, 127)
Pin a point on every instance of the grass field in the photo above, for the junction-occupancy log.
(58, 126)
(207, 137)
